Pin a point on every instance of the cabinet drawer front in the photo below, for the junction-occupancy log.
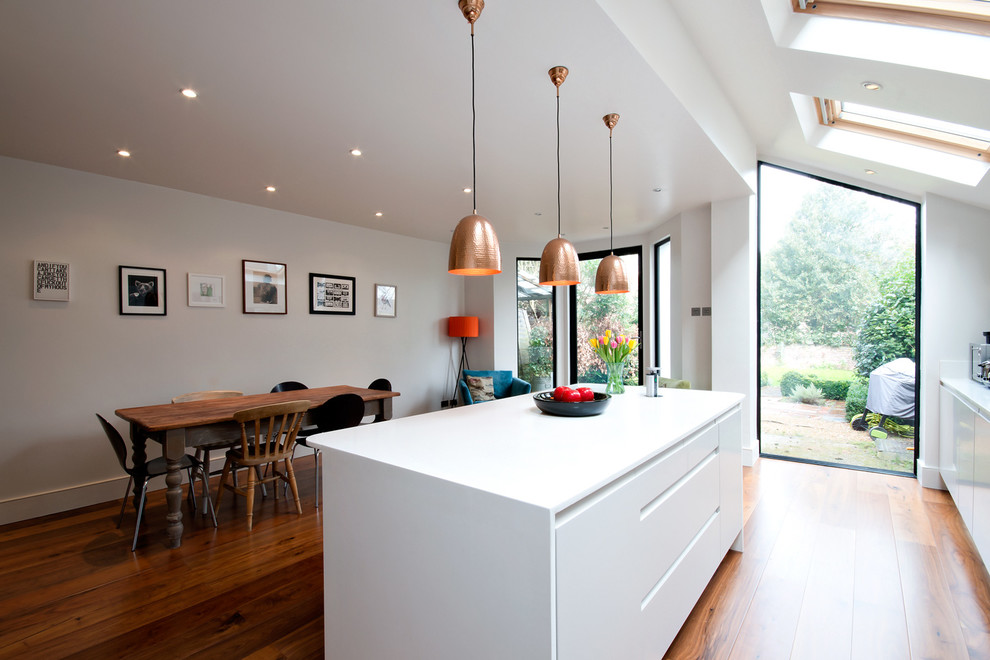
(673, 598)
(670, 522)
(616, 548)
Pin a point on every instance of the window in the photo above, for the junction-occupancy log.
(971, 16)
(921, 131)
(536, 329)
(661, 346)
(592, 314)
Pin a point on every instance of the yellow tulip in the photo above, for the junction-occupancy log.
(632, 344)
(608, 334)
(594, 342)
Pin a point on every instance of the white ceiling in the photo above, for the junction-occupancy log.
(288, 88)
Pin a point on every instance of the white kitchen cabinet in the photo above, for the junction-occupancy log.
(964, 455)
(496, 531)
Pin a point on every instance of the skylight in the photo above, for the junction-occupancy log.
(971, 16)
(921, 131)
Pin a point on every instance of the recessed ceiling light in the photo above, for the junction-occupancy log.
(870, 171)
(658, 190)
(872, 86)
(467, 190)
(379, 214)
(189, 93)
(355, 152)
(124, 153)
(270, 188)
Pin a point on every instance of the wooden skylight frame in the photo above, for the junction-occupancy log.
(832, 114)
(972, 16)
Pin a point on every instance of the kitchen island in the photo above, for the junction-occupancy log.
(498, 531)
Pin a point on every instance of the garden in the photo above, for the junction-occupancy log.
(838, 292)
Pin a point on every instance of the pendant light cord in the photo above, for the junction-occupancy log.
(558, 162)
(610, 248)
(474, 133)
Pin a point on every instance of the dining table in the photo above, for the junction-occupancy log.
(178, 426)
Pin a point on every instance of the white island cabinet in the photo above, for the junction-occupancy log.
(496, 531)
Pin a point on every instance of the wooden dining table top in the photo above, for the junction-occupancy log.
(170, 416)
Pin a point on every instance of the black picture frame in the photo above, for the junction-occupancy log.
(332, 294)
(142, 291)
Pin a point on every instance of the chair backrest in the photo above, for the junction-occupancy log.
(381, 384)
(501, 380)
(208, 394)
(273, 429)
(339, 412)
(289, 386)
(116, 441)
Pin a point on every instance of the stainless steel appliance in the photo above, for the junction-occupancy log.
(979, 360)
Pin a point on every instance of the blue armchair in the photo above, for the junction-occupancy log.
(504, 384)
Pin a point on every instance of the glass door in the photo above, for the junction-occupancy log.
(839, 289)
(535, 325)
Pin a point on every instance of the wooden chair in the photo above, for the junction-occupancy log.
(153, 468)
(268, 435)
(203, 451)
(339, 412)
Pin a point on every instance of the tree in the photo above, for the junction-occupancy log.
(816, 282)
(887, 331)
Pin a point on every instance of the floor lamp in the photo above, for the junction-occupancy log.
(462, 327)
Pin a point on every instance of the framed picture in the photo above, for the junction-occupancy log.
(264, 287)
(331, 294)
(51, 281)
(385, 300)
(205, 290)
(142, 291)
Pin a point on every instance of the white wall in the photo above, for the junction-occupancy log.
(66, 361)
(955, 305)
(734, 332)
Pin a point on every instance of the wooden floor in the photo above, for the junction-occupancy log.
(838, 564)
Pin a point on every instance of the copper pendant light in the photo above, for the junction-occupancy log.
(611, 275)
(474, 246)
(559, 262)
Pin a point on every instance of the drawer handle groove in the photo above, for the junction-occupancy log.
(658, 501)
(680, 558)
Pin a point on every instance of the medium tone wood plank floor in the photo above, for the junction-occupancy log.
(838, 564)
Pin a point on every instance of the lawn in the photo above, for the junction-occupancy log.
(775, 373)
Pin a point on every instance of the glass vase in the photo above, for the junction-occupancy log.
(614, 383)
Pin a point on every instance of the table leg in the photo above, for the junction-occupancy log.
(139, 457)
(382, 409)
(174, 447)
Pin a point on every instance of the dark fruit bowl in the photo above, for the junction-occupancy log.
(545, 402)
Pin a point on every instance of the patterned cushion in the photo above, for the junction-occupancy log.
(481, 388)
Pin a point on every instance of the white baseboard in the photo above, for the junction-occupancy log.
(929, 477)
(36, 505)
(750, 456)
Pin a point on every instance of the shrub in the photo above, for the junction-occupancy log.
(835, 390)
(807, 394)
(764, 379)
(856, 398)
(791, 380)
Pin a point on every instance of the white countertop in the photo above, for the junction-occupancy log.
(976, 394)
(510, 448)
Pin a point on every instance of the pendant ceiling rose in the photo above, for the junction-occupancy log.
(471, 9)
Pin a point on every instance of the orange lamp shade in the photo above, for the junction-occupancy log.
(462, 326)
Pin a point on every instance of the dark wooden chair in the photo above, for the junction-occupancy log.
(268, 436)
(153, 468)
(339, 412)
(289, 386)
(203, 450)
